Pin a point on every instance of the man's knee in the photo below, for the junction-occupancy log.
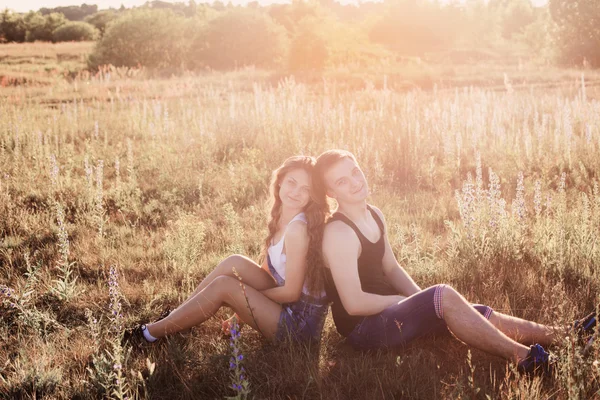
(444, 295)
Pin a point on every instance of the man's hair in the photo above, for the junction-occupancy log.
(325, 161)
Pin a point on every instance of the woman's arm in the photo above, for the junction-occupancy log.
(341, 249)
(296, 247)
(396, 275)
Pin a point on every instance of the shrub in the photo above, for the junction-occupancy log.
(324, 41)
(184, 242)
(72, 13)
(577, 32)
(309, 48)
(238, 38)
(42, 27)
(76, 32)
(152, 38)
(101, 19)
(290, 15)
(12, 27)
(412, 28)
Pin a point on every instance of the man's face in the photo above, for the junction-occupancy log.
(346, 182)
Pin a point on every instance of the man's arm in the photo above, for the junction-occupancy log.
(296, 247)
(341, 251)
(396, 275)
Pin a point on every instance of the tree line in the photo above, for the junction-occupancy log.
(44, 26)
(319, 33)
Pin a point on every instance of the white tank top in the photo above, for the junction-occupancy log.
(278, 258)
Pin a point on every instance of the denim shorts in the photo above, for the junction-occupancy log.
(417, 315)
(302, 321)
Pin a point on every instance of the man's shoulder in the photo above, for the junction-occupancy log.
(378, 212)
(338, 230)
(340, 242)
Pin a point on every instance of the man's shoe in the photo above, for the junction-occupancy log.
(586, 325)
(538, 360)
(585, 329)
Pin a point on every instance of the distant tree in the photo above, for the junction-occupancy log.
(192, 9)
(101, 19)
(290, 15)
(204, 12)
(325, 41)
(538, 35)
(152, 38)
(480, 26)
(218, 5)
(35, 24)
(577, 35)
(89, 9)
(12, 27)
(75, 31)
(178, 8)
(239, 37)
(498, 4)
(42, 27)
(412, 27)
(72, 13)
(514, 15)
(327, 3)
(309, 49)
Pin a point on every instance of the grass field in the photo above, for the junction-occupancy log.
(159, 179)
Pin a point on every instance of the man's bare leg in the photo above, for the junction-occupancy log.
(527, 332)
(468, 325)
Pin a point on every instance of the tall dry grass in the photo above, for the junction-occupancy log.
(118, 194)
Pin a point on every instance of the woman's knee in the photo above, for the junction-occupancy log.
(230, 290)
(232, 260)
(227, 265)
(224, 284)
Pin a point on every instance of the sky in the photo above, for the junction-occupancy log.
(26, 5)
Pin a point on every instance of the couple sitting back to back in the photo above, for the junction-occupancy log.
(313, 259)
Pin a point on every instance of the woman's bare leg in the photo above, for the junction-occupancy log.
(250, 272)
(253, 307)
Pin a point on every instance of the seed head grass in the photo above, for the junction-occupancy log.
(491, 190)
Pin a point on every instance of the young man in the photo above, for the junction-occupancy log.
(377, 304)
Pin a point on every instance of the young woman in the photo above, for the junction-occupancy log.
(376, 304)
(282, 298)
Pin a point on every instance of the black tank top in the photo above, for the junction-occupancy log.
(370, 273)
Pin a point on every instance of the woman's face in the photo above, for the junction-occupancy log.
(294, 189)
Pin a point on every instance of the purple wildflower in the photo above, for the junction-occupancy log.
(518, 207)
(238, 376)
(115, 300)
